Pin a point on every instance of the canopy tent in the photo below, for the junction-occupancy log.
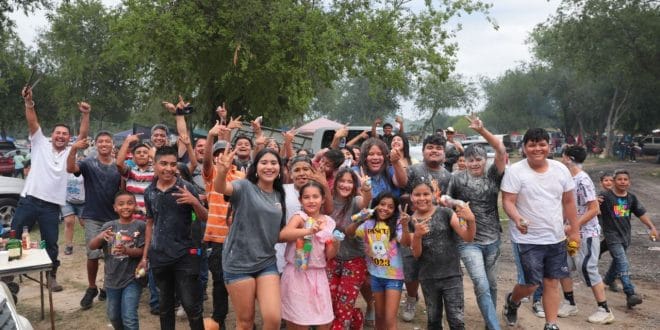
(309, 128)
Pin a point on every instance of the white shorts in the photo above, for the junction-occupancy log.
(585, 261)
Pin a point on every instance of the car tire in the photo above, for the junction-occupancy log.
(7, 210)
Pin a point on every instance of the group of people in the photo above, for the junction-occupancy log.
(305, 234)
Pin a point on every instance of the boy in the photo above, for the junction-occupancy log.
(172, 251)
(122, 241)
(616, 209)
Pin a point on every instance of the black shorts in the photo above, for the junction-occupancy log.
(543, 261)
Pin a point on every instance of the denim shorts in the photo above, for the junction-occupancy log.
(70, 208)
(543, 261)
(379, 284)
(233, 277)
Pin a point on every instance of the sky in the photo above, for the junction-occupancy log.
(483, 51)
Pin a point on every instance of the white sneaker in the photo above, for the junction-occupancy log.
(566, 309)
(180, 312)
(524, 300)
(601, 316)
(538, 310)
(409, 309)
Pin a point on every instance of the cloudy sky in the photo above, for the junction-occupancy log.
(484, 51)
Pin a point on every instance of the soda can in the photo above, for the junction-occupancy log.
(42, 244)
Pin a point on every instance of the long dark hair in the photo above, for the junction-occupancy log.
(406, 146)
(392, 221)
(277, 184)
(314, 184)
(364, 153)
(356, 183)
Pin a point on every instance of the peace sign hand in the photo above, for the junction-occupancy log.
(404, 217)
(475, 123)
(225, 160)
(422, 227)
(234, 122)
(365, 181)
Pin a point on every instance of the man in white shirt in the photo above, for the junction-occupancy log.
(537, 194)
(45, 189)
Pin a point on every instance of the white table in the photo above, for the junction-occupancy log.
(34, 260)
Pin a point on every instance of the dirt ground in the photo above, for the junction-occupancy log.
(644, 256)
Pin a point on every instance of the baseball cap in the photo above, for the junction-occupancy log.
(450, 130)
(219, 145)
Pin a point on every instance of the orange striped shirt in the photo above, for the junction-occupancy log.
(216, 224)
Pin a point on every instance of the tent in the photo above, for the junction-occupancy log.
(312, 126)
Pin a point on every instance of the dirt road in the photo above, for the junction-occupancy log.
(645, 269)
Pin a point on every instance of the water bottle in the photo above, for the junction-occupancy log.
(363, 215)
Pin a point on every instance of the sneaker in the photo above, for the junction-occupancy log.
(524, 300)
(633, 300)
(510, 311)
(538, 310)
(551, 326)
(566, 309)
(180, 312)
(86, 302)
(613, 287)
(68, 250)
(601, 316)
(54, 286)
(102, 295)
(409, 309)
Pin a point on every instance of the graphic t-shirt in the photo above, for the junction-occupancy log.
(585, 192)
(616, 212)
(383, 257)
(120, 269)
(75, 189)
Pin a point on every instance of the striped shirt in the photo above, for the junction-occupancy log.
(137, 181)
(216, 224)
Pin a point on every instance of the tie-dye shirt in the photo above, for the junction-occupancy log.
(382, 254)
(616, 212)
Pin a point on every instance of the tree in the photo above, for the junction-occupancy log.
(612, 44)
(271, 57)
(78, 51)
(26, 6)
(437, 95)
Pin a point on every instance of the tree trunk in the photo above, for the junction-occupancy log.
(617, 110)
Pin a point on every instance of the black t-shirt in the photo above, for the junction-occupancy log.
(172, 234)
(482, 193)
(101, 184)
(616, 212)
(440, 258)
(421, 171)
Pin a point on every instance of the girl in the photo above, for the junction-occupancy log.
(435, 245)
(400, 142)
(305, 290)
(248, 256)
(382, 235)
(347, 272)
(375, 161)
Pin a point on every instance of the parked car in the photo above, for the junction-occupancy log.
(10, 191)
(651, 145)
(6, 162)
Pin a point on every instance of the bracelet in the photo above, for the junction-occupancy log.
(29, 105)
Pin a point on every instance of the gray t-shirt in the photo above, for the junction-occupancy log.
(482, 193)
(440, 258)
(250, 245)
(120, 269)
(420, 170)
(350, 247)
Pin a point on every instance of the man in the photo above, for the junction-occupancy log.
(18, 165)
(171, 250)
(243, 146)
(217, 225)
(387, 130)
(433, 151)
(537, 194)
(45, 190)
(454, 149)
(101, 181)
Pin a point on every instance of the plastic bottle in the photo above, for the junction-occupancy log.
(451, 202)
(14, 246)
(300, 258)
(25, 238)
(363, 215)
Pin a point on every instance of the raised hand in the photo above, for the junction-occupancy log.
(318, 175)
(398, 119)
(225, 160)
(342, 132)
(395, 156)
(27, 94)
(171, 108)
(378, 121)
(185, 139)
(234, 123)
(215, 130)
(182, 104)
(289, 135)
(184, 196)
(365, 181)
(365, 134)
(422, 227)
(475, 122)
(84, 107)
(256, 125)
(81, 144)
(404, 217)
(132, 138)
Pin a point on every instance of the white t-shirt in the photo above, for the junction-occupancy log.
(292, 207)
(539, 200)
(48, 177)
(585, 192)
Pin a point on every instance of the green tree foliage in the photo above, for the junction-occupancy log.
(77, 51)
(437, 95)
(271, 57)
(613, 46)
(25, 6)
(13, 57)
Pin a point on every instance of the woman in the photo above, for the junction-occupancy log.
(375, 162)
(400, 142)
(480, 186)
(248, 257)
